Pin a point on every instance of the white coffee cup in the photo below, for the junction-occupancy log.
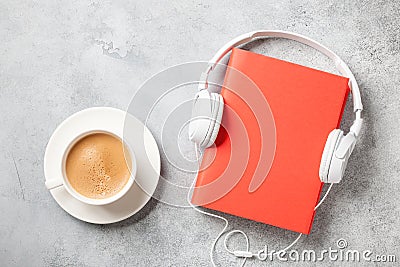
(63, 180)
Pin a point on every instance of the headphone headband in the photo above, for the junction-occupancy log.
(340, 64)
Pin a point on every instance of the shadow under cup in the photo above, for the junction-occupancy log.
(130, 163)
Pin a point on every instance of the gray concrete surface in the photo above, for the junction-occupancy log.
(54, 61)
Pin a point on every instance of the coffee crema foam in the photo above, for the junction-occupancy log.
(96, 166)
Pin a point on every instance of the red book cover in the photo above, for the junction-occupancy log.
(271, 140)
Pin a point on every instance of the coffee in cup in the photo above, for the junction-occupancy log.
(97, 166)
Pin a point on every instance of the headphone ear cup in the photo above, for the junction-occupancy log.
(217, 117)
(202, 112)
(329, 149)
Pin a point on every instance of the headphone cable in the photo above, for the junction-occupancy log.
(237, 253)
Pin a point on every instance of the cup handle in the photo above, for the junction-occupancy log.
(53, 183)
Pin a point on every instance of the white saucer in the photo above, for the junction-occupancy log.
(143, 145)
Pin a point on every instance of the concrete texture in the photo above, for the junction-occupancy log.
(56, 58)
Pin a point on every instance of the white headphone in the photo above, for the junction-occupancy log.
(208, 107)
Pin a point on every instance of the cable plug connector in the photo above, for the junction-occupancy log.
(243, 254)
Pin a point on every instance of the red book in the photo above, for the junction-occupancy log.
(265, 164)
